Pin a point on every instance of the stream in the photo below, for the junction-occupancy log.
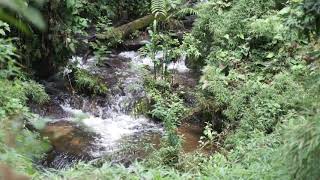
(93, 128)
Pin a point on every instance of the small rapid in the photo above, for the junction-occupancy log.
(114, 128)
(105, 127)
(178, 66)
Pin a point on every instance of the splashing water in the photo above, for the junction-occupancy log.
(114, 126)
(136, 58)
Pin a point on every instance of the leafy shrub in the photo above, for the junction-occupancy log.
(14, 95)
(107, 171)
(19, 147)
(85, 81)
(302, 148)
(168, 108)
(302, 138)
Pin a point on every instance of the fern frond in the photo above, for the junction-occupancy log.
(186, 11)
(158, 8)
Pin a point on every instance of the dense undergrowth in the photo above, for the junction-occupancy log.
(18, 145)
(260, 71)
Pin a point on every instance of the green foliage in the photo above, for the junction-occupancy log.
(209, 135)
(302, 138)
(164, 8)
(168, 46)
(303, 16)
(132, 8)
(35, 92)
(158, 8)
(107, 171)
(85, 81)
(257, 76)
(8, 56)
(72, 26)
(302, 148)
(102, 48)
(168, 12)
(14, 95)
(22, 152)
(224, 25)
(251, 159)
(23, 8)
(260, 70)
(169, 108)
(19, 147)
(190, 48)
(258, 105)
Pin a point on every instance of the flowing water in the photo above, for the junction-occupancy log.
(93, 128)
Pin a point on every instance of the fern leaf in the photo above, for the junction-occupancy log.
(158, 8)
(186, 11)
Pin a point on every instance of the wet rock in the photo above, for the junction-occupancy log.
(55, 84)
(69, 138)
(134, 45)
(116, 62)
(50, 109)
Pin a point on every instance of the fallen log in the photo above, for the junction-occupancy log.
(126, 29)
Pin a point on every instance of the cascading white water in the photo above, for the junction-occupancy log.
(178, 66)
(112, 122)
(114, 128)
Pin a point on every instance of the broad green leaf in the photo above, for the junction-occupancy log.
(29, 13)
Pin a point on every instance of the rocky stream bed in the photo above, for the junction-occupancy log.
(91, 128)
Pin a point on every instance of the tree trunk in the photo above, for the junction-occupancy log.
(130, 27)
(45, 67)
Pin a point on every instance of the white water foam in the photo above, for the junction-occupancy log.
(80, 63)
(113, 128)
(114, 124)
(179, 66)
